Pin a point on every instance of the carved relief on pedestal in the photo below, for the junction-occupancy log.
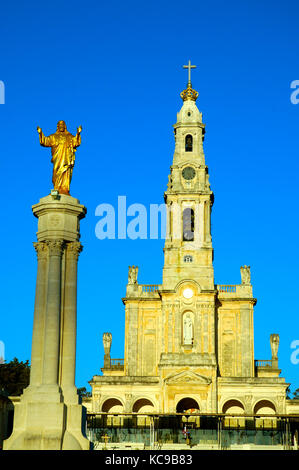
(54, 220)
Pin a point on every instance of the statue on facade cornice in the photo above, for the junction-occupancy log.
(107, 340)
(274, 342)
(133, 273)
(245, 274)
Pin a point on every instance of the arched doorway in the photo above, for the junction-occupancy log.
(143, 405)
(233, 407)
(113, 405)
(187, 405)
(265, 409)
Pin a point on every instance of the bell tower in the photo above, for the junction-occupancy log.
(188, 248)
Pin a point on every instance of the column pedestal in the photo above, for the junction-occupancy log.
(49, 416)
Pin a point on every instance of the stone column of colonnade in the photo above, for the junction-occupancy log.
(49, 416)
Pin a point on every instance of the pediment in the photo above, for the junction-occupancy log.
(187, 377)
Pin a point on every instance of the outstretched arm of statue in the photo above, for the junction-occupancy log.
(43, 140)
(77, 138)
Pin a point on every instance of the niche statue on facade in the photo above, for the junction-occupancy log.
(187, 329)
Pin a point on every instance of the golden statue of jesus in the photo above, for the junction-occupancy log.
(63, 146)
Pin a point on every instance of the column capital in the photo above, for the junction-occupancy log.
(41, 249)
(55, 247)
(73, 249)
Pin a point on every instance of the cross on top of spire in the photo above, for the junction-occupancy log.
(189, 93)
(189, 67)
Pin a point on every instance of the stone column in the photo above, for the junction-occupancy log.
(169, 222)
(49, 416)
(176, 215)
(207, 216)
(69, 322)
(52, 320)
(197, 234)
(39, 317)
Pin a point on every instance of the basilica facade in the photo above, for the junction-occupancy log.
(189, 343)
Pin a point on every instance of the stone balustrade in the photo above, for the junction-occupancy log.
(117, 364)
(226, 288)
(263, 363)
(234, 290)
(150, 287)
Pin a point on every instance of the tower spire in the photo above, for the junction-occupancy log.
(189, 93)
(189, 67)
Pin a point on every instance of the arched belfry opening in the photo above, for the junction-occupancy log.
(187, 405)
(189, 143)
(188, 224)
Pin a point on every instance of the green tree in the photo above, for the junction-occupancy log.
(14, 376)
(292, 395)
(82, 392)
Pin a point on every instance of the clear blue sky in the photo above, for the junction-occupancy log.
(116, 68)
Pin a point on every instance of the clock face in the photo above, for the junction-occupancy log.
(188, 173)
